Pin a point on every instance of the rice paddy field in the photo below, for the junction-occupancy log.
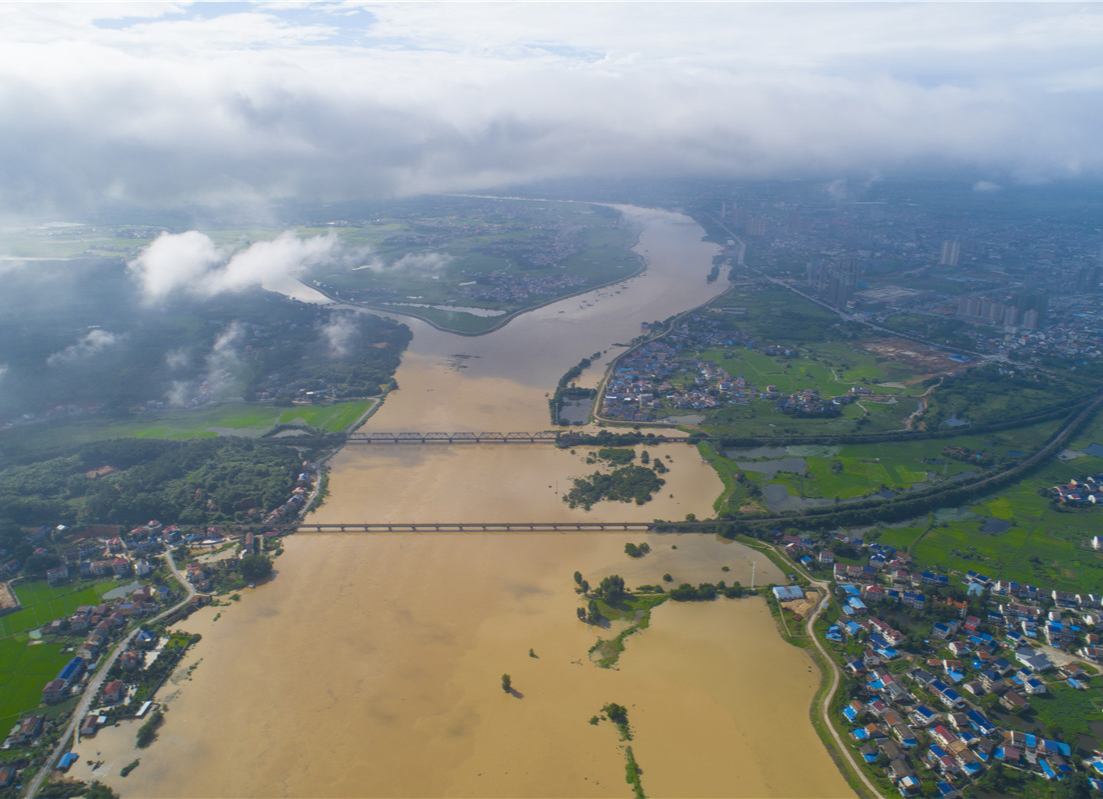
(26, 661)
(25, 666)
(43, 603)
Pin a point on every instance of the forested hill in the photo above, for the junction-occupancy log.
(193, 482)
(79, 340)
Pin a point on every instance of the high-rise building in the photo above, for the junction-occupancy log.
(1088, 279)
(1036, 301)
(951, 252)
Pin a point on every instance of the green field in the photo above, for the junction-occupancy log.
(25, 664)
(832, 369)
(1044, 546)
(43, 603)
(24, 668)
(1065, 713)
(235, 419)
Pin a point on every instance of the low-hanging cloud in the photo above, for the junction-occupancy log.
(192, 263)
(328, 101)
(222, 374)
(177, 359)
(432, 262)
(424, 261)
(340, 332)
(91, 344)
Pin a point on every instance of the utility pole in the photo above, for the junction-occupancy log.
(753, 564)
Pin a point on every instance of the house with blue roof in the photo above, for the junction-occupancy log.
(1055, 748)
(943, 631)
(71, 672)
(922, 716)
(980, 723)
(913, 599)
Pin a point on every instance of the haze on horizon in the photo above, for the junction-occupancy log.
(231, 104)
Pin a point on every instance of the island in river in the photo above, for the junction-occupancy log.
(372, 665)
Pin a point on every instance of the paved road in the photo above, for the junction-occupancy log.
(92, 689)
(836, 674)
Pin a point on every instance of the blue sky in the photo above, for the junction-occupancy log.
(239, 103)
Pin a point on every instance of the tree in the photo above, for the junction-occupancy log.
(618, 714)
(255, 567)
(507, 683)
(612, 588)
(1074, 786)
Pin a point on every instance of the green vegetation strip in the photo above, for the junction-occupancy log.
(637, 608)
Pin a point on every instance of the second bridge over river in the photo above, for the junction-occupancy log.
(453, 438)
(493, 527)
(545, 437)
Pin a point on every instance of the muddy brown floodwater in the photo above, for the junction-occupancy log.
(371, 667)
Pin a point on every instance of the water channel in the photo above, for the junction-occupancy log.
(371, 665)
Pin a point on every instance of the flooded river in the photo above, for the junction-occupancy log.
(372, 665)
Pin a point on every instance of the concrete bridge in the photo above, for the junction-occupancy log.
(453, 438)
(485, 527)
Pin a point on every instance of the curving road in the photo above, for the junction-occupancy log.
(836, 673)
(91, 690)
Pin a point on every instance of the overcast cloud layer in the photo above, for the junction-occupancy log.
(214, 104)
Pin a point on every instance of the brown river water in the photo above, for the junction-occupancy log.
(371, 666)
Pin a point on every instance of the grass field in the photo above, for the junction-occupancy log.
(245, 420)
(24, 668)
(1066, 713)
(25, 664)
(43, 603)
(1044, 546)
(832, 369)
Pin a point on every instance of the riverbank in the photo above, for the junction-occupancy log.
(372, 665)
(390, 652)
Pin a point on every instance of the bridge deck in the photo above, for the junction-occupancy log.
(477, 527)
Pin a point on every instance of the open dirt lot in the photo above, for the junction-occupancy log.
(925, 361)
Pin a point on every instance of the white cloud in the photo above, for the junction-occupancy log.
(174, 261)
(986, 185)
(154, 103)
(177, 359)
(424, 261)
(190, 262)
(92, 343)
(338, 333)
